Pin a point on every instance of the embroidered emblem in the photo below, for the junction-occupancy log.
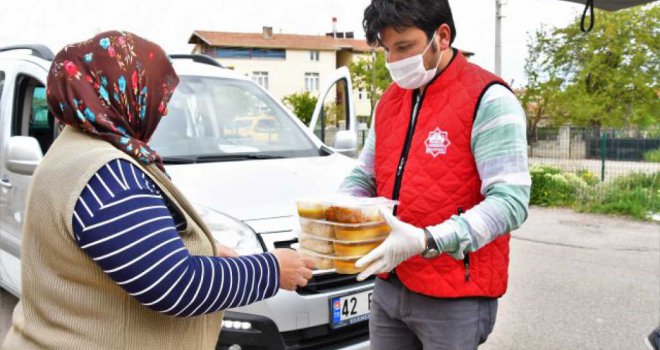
(437, 142)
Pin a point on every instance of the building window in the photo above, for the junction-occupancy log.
(248, 52)
(314, 56)
(261, 78)
(312, 82)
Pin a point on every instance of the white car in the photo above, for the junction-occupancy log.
(243, 182)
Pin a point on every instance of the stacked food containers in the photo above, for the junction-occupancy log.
(336, 232)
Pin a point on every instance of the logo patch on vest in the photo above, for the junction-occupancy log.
(437, 142)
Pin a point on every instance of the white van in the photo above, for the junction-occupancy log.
(241, 157)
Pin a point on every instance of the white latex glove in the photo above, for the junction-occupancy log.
(404, 241)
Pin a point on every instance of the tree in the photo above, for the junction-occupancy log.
(365, 78)
(302, 104)
(542, 82)
(606, 78)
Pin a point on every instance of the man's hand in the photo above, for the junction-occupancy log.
(404, 241)
(295, 268)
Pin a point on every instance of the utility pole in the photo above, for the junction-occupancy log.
(498, 37)
(372, 98)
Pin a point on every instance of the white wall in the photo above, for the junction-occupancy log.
(287, 76)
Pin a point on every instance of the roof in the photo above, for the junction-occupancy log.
(278, 41)
(614, 5)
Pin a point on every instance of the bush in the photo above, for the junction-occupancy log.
(302, 105)
(652, 156)
(551, 187)
(590, 178)
(635, 195)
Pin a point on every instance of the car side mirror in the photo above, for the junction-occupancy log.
(23, 155)
(346, 142)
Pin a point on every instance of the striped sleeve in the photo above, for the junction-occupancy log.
(361, 182)
(124, 224)
(499, 145)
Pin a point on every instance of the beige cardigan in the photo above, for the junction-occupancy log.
(67, 302)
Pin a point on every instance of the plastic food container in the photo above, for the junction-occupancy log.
(347, 266)
(355, 249)
(316, 245)
(357, 232)
(345, 232)
(343, 209)
(342, 265)
(318, 228)
(320, 262)
(310, 209)
(336, 247)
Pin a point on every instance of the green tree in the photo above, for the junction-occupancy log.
(542, 82)
(302, 104)
(606, 78)
(374, 81)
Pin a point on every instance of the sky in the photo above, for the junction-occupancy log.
(171, 22)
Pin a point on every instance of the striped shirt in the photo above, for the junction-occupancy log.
(125, 225)
(499, 146)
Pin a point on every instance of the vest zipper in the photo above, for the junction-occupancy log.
(406, 147)
(466, 261)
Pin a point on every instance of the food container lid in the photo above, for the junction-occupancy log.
(339, 224)
(324, 256)
(346, 201)
(340, 241)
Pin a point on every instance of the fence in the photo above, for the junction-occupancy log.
(605, 152)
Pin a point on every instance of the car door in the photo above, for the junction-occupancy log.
(334, 121)
(27, 116)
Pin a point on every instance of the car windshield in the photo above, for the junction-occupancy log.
(215, 119)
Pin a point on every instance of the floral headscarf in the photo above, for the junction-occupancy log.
(115, 86)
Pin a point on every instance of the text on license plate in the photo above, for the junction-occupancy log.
(350, 309)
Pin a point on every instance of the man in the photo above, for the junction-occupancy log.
(448, 142)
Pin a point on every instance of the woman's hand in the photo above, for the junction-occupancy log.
(225, 252)
(295, 268)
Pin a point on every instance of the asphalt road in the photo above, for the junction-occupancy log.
(577, 281)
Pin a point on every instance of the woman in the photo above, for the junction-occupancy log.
(114, 256)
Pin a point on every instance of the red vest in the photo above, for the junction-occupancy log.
(439, 177)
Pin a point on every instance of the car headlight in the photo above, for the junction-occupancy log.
(230, 231)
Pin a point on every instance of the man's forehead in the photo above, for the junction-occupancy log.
(393, 36)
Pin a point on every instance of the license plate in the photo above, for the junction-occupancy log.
(350, 309)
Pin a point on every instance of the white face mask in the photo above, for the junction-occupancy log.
(410, 73)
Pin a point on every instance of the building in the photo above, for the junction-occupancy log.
(285, 63)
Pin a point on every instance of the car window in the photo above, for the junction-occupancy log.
(216, 118)
(2, 84)
(31, 115)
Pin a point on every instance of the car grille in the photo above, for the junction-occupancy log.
(325, 338)
(331, 282)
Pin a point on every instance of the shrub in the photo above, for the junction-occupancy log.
(636, 195)
(551, 187)
(302, 105)
(652, 156)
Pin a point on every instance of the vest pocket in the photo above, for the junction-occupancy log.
(466, 259)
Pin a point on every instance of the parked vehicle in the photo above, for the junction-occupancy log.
(243, 183)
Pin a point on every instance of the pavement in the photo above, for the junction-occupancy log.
(577, 281)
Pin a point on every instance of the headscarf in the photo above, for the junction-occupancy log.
(115, 86)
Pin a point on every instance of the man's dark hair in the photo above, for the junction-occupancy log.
(427, 15)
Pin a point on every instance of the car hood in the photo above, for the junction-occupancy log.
(259, 189)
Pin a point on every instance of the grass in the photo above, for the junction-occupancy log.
(635, 195)
(652, 156)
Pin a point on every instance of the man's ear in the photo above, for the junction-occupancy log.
(443, 36)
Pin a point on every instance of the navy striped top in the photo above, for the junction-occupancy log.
(129, 229)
